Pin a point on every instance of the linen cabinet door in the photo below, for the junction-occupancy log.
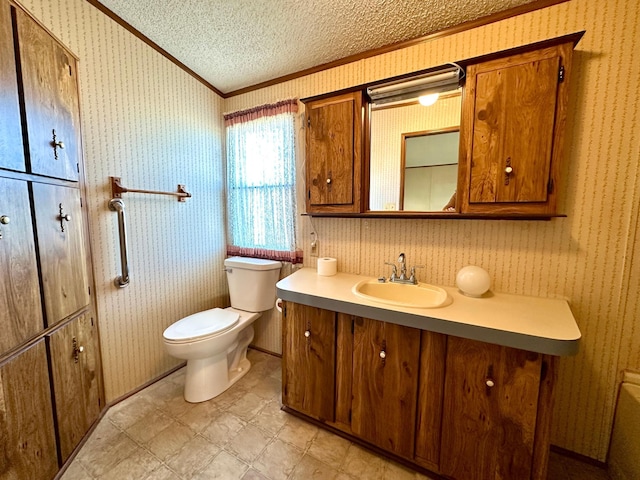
(27, 445)
(61, 243)
(385, 384)
(490, 409)
(50, 101)
(20, 306)
(73, 351)
(11, 148)
(308, 360)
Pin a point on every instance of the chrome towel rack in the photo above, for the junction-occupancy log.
(117, 205)
(117, 190)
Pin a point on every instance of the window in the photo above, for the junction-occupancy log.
(261, 182)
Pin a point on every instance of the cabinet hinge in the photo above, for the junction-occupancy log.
(550, 186)
(78, 167)
(353, 330)
(80, 202)
(89, 290)
(309, 194)
(561, 74)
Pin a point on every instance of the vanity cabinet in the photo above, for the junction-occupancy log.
(490, 409)
(308, 359)
(334, 129)
(462, 408)
(51, 389)
(385, 384)
(512, 132)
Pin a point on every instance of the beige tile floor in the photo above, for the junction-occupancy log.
(241, 434)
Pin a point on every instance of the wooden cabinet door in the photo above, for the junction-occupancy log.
(74, 353)
(20, 306)
(308, 361)
(333, 154)
(385, 384)
(50, 101)
(433, 349)
(490, 408)
(61, 243)
(27, 440)
(11, 148)
(513, 122)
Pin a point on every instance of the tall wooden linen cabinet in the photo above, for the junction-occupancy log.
(51, 389)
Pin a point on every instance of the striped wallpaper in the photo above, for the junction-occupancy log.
(152, 124)
(591, 258)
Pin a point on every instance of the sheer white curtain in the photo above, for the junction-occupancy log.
(261, 182)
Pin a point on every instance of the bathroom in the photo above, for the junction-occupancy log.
(141, 113)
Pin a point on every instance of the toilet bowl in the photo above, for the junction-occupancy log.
(214, 342)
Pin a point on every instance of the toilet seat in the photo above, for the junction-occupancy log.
(201, 325)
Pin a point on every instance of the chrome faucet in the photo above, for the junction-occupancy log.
(403, 267)
(402, 278)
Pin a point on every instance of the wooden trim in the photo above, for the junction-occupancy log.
(155, 46)
(470, 25)
(479, 22)
(579, 457)
(438, 215)
(260, 349)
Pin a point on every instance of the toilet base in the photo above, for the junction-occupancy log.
(207, 378)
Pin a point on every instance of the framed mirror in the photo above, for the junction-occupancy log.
(414, 154)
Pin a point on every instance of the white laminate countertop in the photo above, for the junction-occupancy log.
(542, 325)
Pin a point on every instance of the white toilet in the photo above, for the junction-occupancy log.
(214, 342)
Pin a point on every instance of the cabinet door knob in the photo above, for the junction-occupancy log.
(508, 170)
(328, 180)
(490, 383)
(307, 333)
(4, 220)
(383, 354)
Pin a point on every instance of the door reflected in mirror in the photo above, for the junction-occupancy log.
(432, 180)
(429, 163)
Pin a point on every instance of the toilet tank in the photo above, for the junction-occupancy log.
(252, 283)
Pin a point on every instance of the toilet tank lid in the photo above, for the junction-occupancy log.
(252, 263)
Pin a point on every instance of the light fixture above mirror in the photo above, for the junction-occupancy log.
(432, 83)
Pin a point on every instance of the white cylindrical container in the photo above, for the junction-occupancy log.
(327, 266)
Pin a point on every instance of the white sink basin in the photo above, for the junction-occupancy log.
(421, 295)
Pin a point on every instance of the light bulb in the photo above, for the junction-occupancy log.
(426, 100)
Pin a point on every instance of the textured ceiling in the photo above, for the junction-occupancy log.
(238, 43)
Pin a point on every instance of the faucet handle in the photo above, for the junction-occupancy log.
(412, 277)
(394, 272)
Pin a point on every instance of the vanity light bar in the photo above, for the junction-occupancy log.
(414, 87)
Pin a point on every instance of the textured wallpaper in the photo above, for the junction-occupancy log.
(591, 258)
(152, 124)
(149, 122)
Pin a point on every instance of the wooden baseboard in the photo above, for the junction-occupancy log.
(578, 456)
